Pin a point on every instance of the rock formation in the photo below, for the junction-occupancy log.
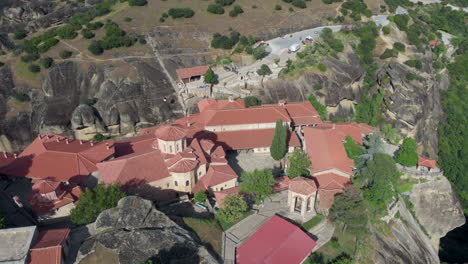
(134, 232)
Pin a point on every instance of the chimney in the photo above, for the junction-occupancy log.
(81, 142)
(107, 146)
(5, 155)
(281, 102)
(66, 141)
(231, 99)
(58, 140)
(15, 155)
(91, 143)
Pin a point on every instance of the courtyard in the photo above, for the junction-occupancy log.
(248, 161)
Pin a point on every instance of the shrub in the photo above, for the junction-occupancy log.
(181, 12)
(224, 2)
(95, 48)
(200, 197)
(321, 109)
(161, 19)
(299, 3)
(21, 97)
(401, 21)
(322, 67)
(29, 57)
(407, 154)
(47, 44)
(414, 63)
(20, 34)
(224, 42)
(299, 164)
(128, 19)
(234, 207)
(254, 6)
(98, 136)
(94, 26)
(386, 30)
(287, 1)
(66, 32)
(251, 101)
(142, 40)
(317, 86)
(259, 53)
(137, 2)
(264, 70)
(399, 46)
(46, 62)
(278, 7)
(65, 54)
(34, 68)
(387, 54)
(291, 9)
(87, 34)
(215, 9)
(236, 10)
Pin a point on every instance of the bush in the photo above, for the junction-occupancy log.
(87, 34)
(46, 62)
(399, 46)
(215, 9)
(95, 48)
(94, 26)
(65, 54)
(224, 42)
(251, 101)
(291, 9)
(34, 68)
(386, 30)
(137, 2)
(317, 86)
(401, 21)
(299, 164)
(93, 202)
(21, 97)
(236, 10)
(234, 208)
(322, 67)
(278, 7)
(259, 53)
(264, 70)
(414, 63)
(29, 57)
(387, 54)
(299, 3)
(181, 12)
(224, 2)
(20, 34)
(321, 109)
(407, 154)
(200, 197)
(98, 136)
(128, 19)
(66, 32)
(142, 40)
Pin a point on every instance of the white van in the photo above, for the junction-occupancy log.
(294, 47)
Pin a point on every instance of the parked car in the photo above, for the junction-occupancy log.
(294, 47)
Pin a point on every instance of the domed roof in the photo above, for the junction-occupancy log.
(303, 185)
(170, 132)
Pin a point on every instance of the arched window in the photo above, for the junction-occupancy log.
(187, 183)
(175, 183)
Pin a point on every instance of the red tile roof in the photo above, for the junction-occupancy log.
(326, 198)
(303, 185)
(210, 104)
(245, 116)
(6, 158)
(282, 183)
(171, 132)
(193, 71)
(331, 181)
(48, 247)
(276, 242)
(426, 162)
(216, 174)
(248, 139)
(326, 150)
(301, 113)
(222, 194)
(184, 165)
(58, 158)
(45, 186)
(354, 130)
(42, 203)
(134, 144)
(134, 169)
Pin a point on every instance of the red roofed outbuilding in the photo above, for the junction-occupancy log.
(189, 74)
(50, 247)
(427, 163)
(276, 242)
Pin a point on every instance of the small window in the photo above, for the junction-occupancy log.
(199, 173)
(170, 149)
(187, 183)
(167, 185)
(222, 188)
(175, 183)
(177, 147)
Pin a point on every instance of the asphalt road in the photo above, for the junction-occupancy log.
(280, 45)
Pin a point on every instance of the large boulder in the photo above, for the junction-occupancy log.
(136, 231)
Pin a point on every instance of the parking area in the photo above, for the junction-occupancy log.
(248, 161)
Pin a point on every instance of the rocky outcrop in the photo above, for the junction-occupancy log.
(406, 243)
(437, 207)
(134, 232)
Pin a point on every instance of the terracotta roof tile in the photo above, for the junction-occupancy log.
(184, 165)
(426, 162)
(216, 174)
(282, 183)
(210, 104)
(301, 113)
(331, 181)
(326, 150)
(193, 71)
(303, 185)
(245, 116)
(222, 194)
(171, 132)
(277, 241)
(48, 247)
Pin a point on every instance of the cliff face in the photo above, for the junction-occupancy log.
(82, 100)
(135, 231)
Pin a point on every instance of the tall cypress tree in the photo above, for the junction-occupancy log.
(278, 145)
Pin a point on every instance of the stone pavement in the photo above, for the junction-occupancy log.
(322, 233)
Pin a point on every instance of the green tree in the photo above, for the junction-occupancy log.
(407, 154)
(93, 202)
(349, 209)
(215, 9)
(322, 67)
(321, 109)
(372, 145)
(210, 77)
(264, 70)
(46, 62)
(137, 2)
(259, 52)
(65, 54)
(386, 30)
(20, 34)
(353, 150)
(95, 48)
(399, 46)
(390, 134)
(200, 197)
(299, 164)
(251, 101)
(258, 182)
(234, 208)
(279, 146)
(278, 7)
